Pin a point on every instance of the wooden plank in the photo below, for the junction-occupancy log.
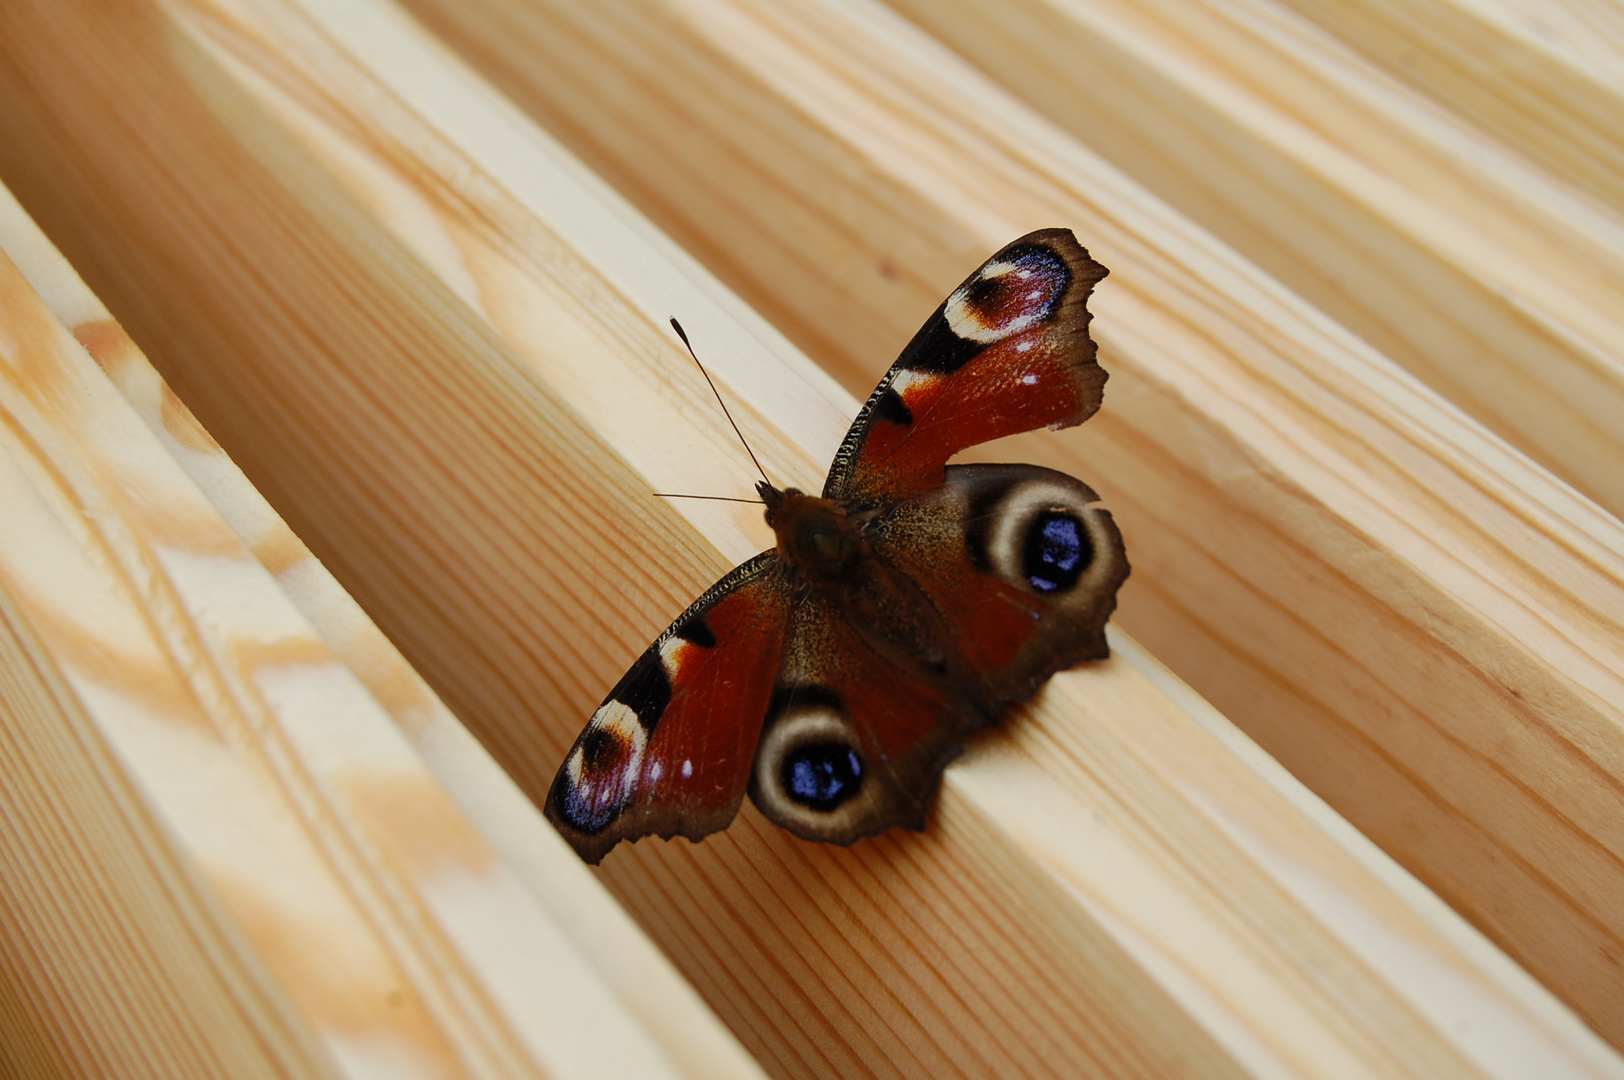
(1491, 282)
(1419, 622)
(597, 928)
(368, 252)
(1547, 76)
(305, 899)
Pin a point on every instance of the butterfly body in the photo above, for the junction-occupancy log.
(818, 538)
(834, 676)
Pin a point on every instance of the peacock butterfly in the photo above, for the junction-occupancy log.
(835, 676)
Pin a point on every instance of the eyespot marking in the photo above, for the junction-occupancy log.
(1042, 535)
(1056, 552)
(811, 774)
(603, 767)
(1013, 294)
(821, 775)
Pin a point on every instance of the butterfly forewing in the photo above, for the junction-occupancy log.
(670, 749)
(1008, 351)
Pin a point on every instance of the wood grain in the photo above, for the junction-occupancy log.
(440, 343)
(1490, 281)
(597, 928)
(1419, 622)
(335, 907)
(1546, 76)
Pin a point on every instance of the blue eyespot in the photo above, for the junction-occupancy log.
(822, 775)
(602, 786)
(1056, 552)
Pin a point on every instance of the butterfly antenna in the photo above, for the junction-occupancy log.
(714, 498)
(675, 325)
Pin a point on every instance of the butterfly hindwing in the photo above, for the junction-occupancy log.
(853, 744)
(1008, 351)
(669, 751)
(1024, 556)
(881, 682)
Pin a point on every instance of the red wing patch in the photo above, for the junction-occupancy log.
(669, 750)
(1008, 351)
(1005, 618)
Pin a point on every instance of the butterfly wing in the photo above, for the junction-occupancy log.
(1021, 556)
(854, 742)
(669, 751)
(977, 591)
(1008, 351)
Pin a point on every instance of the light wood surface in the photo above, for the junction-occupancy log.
(1491, 281)
(439, 344)
(303, 897)
(1547, 76)
(1419, 622)
(649, 991)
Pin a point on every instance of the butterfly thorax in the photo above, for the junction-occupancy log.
(819, 538)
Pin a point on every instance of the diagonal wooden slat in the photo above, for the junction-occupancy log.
(596, 928)
(1489, 280)
(1547, 76)
(259, 877)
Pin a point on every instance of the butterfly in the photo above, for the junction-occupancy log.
(834, 676)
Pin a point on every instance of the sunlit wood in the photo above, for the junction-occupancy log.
(597, 929)
(1494, 283)
(223, 859)
(1547, 76)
